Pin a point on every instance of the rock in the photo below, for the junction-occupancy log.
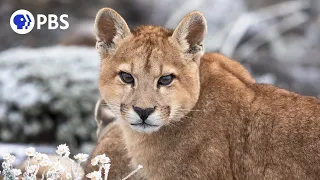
(47, 95)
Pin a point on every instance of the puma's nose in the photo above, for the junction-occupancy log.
(143, 113)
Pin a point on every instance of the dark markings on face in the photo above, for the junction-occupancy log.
(148, 61)
(132, 66)
(122, 108)
(161, 69)
(166, 110)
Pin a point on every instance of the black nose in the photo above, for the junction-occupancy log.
(143, 113)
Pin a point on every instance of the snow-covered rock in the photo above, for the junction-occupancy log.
(48, 94)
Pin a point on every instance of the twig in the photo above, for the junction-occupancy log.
(248, 19)
(133, 172)
(270, 34)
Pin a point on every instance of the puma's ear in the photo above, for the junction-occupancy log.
(103, 117)
(110, 29)
(190, 33)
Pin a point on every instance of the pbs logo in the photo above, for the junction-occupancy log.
(22, 21)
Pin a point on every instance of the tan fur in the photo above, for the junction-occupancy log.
(217, 122)
(103, 116)
(111, 145)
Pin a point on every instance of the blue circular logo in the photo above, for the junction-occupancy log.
(22, 21)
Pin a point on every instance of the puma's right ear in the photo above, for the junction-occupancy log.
(103, 117)
(110, 29)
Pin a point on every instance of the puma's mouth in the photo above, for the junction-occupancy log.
(144, 124)
(145, 127)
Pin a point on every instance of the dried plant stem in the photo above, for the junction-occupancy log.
(270, 34)
(245, 21)
(36, 171)
(106, 171)
(133, 172)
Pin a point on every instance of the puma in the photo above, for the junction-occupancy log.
(185, 114)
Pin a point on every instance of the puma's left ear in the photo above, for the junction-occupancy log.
(190, 33)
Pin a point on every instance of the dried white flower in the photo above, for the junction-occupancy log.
(66, 154)
(32, 169)
(56, 169)
(68, 176)
(95, 175)
(95, 161)
(41, 157)
(104, 160)
(100, 159)
(45, 163)
(81, 157)
(11, 159)
(6, 156)
(16, 172)
(30, 152)
(63, 149)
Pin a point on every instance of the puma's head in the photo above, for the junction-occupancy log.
(149, 77)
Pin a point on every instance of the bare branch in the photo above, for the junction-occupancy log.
(271, 33)
(249, 19)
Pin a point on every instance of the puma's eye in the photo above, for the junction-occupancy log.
(126, 78)
(166, 80)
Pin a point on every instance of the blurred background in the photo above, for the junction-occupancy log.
(48, 78)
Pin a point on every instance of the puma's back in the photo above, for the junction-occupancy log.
(270, 133)
(185, 115)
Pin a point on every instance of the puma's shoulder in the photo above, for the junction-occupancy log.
(224, 79)
(226, 72)
(215, 65)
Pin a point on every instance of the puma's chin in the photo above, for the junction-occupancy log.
(145, 128)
